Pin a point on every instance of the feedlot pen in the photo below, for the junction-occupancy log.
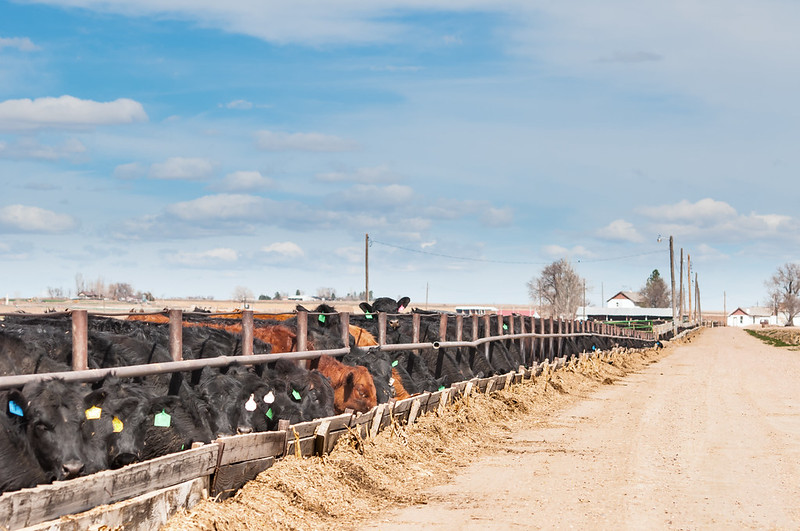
(145, 494)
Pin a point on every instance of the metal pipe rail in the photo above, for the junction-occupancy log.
(134, 371)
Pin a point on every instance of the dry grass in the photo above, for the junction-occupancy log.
(361, 478)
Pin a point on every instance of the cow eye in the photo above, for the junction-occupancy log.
(43, 426)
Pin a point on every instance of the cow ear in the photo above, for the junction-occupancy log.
(175, 384)
(300, 308)
(366, 307)
(350, 381)
(403, 303)
(95, 398)
(17, 407)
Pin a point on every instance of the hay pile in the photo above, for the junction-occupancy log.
(362, 478)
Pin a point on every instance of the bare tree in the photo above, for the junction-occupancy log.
(559, 288)
(784, 290)
(80, 285)
(55, 293)
(328, 294)
(120, 291)
(241, 293)
(655, 293)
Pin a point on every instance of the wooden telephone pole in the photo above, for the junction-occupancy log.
(366, 267)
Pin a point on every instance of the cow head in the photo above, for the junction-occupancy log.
(385, 304)
(52, 415)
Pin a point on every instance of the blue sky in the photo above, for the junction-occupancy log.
(191, 147)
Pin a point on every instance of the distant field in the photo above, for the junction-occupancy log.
(34, 306)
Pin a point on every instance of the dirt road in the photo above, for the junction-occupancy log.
(707, 438)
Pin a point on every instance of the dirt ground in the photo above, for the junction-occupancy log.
(704, 434)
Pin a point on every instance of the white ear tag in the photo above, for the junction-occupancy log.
(391, 381)
(250, 405)
(269, 398)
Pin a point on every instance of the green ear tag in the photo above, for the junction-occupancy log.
(368, 315)
(442, 388)
(505, 326)
(296, 395)
(162, 420)
(321, 318)
(182, 447)
(395, 363)
(269, 414)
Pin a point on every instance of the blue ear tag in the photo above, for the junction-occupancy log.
(15, 409)
(368, 315)
(321, 318)
(162, 420)
(296, 395)
(395, 363)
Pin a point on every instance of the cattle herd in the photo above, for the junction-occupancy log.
(56, 430)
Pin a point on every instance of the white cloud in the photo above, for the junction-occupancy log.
(284, 249)
(193, 169)
(375, 174)
(67, 112)
(218, 207)
(372, 197)
(132, 170)
(280, 141)
(498, 217)
(31, 148)
(220, 255)
(22, 218)
(559, 251)
(620, 230)
(23, 44)
(241, 105)
(704, 210)
(245, 181)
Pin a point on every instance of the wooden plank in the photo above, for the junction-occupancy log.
(231, 478)
(443, 402)
(433, 401)
(414, 411)
(321, 436)
(31, 506)
(141, 513)
(376, 420)
(252, 446)
(306, 446)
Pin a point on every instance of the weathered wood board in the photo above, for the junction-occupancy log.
(231, 478)
(48, 502)
(141, 513)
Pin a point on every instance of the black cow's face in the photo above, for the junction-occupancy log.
(53, 415)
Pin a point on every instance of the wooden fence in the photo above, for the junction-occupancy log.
(145, 494)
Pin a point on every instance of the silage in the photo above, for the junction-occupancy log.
(362, 478)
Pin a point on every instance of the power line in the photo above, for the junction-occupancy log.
(514, 262)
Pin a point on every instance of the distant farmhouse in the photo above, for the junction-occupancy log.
(624, 306)
(759, 315)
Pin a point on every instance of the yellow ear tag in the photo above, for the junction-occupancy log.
(117, 425)
(93, 413)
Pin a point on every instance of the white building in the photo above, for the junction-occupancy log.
(752, 316)
(625, 299)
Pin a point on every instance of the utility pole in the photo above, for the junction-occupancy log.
(689, 282)
(366, 267)
(427, 286)
(672, 276)
(680, 297)
(725, 307)
(697, 300)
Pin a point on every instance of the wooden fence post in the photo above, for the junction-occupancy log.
(247, 333)
(80, 340)
(176, 334)
(302, 337)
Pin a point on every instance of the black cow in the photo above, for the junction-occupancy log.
(385, 304)
(19, 467)
(310, 388)
(379, 365)
(51, 413)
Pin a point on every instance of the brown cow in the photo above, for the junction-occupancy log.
(353, 387)
(365, 339)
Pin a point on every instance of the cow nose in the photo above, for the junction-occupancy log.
(72, 469)
(123, 459)
(242, 430)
